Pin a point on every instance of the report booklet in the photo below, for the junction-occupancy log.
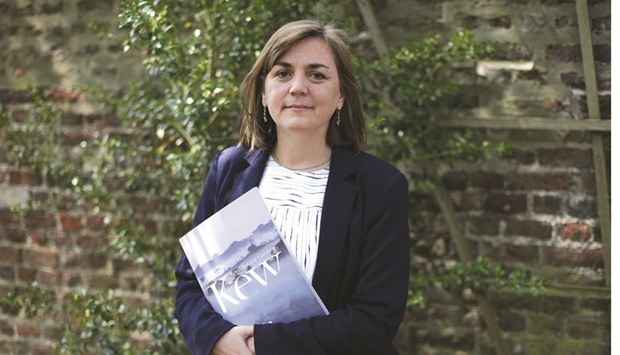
(244, 266)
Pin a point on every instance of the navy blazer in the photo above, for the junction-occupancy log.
(362, 268)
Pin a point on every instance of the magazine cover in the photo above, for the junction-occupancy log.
(245, 269)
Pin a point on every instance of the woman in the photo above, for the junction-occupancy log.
(301, 143)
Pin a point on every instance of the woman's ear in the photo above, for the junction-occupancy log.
(340, 102)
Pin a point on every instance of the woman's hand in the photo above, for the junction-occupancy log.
(238, 340)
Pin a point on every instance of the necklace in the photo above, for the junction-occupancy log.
(300, 169)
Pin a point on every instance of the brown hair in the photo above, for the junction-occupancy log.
(256, 133)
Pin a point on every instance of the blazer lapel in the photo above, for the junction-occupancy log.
(250, 176)
(337, 207)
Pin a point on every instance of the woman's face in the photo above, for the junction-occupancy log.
(302, 90)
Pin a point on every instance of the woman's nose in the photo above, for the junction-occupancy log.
(298, 85)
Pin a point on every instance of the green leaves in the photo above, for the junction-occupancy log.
(479, 275)
(410, 90)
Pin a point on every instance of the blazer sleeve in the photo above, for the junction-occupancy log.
(370, 319)
(199, 323)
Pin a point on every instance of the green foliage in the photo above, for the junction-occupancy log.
(36, 142)
(184, 110)
(411, 90)
(478, 275)
(33, 300)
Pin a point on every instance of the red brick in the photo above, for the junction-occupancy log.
(39, 219)
(70, 222)
(500, 22)
(511, 321)
(7, 217)
(547, 204)
(22, 177)
(42, 349)
(41, 257)
(604, 103)
(87, 241)
(513, 51)
(534, 75)
(63, 95)
(10, 254)
(505, 203)
(95, 223)
(573, 80)
(15, 96)
(588, 183)
(48, 277)
(455, 180)
(467, 21)
(467, 200)
(39, 196)
(563, 53)
(59, 239)
(14, 234)
(120, 265)
(521, 157)
(6, 328)
(575, 232)
(7, 273)
(563, 22)
(577, 137)
(28, 329)
(539, 181)
(86, 261)
(484, 225)
(529, 228)
(595, 305)
(19, 115)
(101, 121)
(584, 328)
(573, 257)
(487, 179)
(103, 281)
(602, 53)
(38, 237)
(566, 157)
(26, 274)
(521, 253)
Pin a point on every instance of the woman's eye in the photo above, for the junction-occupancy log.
(317, 76)
(282, 74)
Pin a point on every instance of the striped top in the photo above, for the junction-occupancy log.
(295, 200)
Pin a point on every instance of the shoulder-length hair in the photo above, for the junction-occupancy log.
(256, 133)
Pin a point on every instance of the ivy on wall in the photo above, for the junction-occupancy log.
(184, 110)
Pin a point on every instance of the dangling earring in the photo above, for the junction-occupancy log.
(265, 114)
(338, 118)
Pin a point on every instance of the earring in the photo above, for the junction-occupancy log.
(265, 114)
(338, 118)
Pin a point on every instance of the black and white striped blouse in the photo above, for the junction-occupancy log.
(295, 199)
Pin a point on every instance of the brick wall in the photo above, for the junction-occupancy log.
(535, 208)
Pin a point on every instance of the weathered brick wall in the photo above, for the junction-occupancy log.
(535, 208)
(48, 44)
